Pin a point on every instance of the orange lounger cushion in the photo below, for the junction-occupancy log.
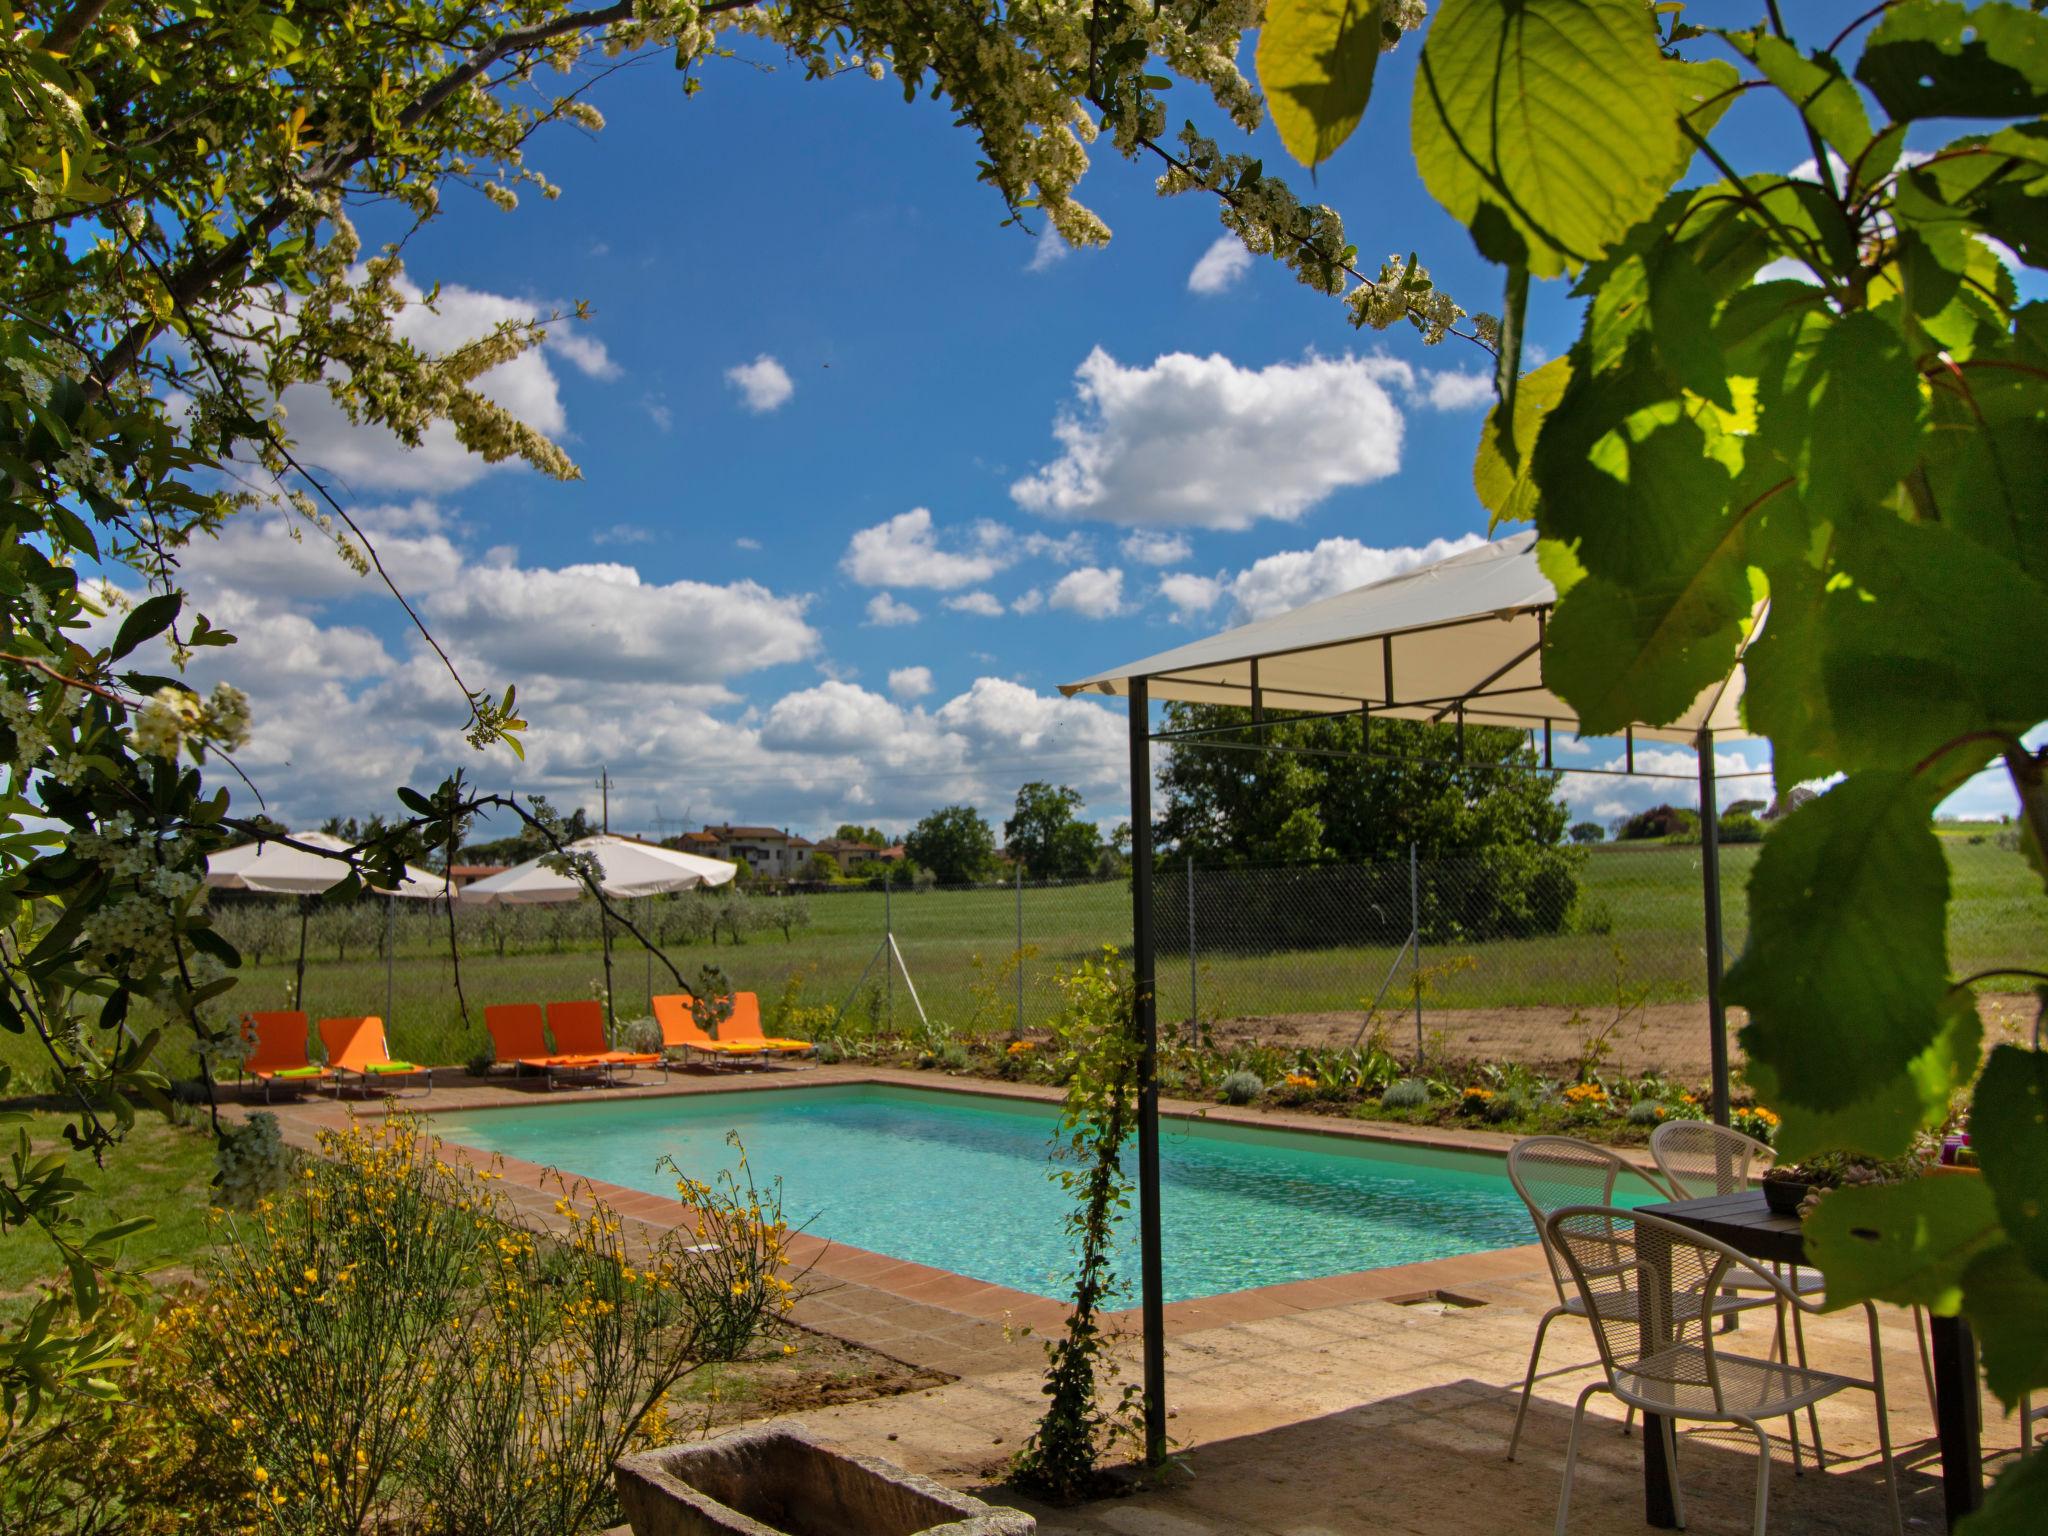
(681, 1031)
(518, 1035)
(579, 1029)
(745, 1024)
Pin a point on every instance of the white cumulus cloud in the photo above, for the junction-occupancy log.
(986, 604)
(764, 384)
(1297, 576)
(1451, 390)
(885, 612)
(910, 682)
(905, 552)
(1221, 266)
(1151, 546)
(1091, 592)
(1191, 441)
(1191, 595)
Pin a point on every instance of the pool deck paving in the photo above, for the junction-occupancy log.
(1379, 1401)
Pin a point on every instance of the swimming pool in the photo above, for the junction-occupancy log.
(959, 1181)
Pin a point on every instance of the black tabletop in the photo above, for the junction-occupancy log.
(1742, 1221)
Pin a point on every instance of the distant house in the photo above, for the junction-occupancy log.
(845, 851)
(776, 853)
(460, 875)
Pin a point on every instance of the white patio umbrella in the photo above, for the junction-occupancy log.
(627, 868)
(277, 869)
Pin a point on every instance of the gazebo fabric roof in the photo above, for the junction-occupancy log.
(628, 867)
(1466, 629)
(279, 870)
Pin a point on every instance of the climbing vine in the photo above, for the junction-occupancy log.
(1096, 1041)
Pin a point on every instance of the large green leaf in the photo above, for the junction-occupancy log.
(2007, 1303)
(1505, 489)
(1907, 1243)
(1316, 60)
(1854, 415)
(1904, 646)
(1884, 1122)
(1846, 966)
(2009, 1128)
(1621, 654)
(1532, 125)
(1816, 86)
(1934, 58)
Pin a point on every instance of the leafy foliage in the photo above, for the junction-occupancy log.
(1047, 835)
(1855, 450)
(954, 843)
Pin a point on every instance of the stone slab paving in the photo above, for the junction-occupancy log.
(1376, 1417)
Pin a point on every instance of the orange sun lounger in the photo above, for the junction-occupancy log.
(277, 1051)
(519, 1038)
(739, 1037)
(357, 1051)
(579, 1029)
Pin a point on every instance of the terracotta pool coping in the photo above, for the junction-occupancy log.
(915, 1311)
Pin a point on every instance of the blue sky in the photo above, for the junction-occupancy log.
(865, 474)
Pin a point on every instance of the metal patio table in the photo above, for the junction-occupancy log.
(1747, 1224)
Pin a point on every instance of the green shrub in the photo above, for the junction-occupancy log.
(1409, 1093)
(1648, 1112)
(830, 1053)
(1508, 1106)
(389, 1346)
(1242, 1087)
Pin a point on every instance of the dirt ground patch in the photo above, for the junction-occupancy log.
(818, 1372)
(1665, 1037)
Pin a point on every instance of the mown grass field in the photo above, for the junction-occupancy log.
(1647, 898)
(161, 1170)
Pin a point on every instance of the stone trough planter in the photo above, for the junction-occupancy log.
(781, 1480)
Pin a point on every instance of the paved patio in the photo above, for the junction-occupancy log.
(1325, 1407)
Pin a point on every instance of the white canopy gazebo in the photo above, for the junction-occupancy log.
(1457, 642)
(279, 869)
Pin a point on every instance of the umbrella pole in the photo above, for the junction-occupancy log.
(604, 934)
(390, 952)
(299, 986)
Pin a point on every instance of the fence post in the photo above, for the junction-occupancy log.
(1194, 995)
(1020, 949)
(889, 942)
(1415, 933)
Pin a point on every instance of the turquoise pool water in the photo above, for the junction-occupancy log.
(959, 1181)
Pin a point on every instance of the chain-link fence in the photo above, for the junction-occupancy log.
(1504, 954)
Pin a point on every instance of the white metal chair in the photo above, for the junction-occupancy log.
(1642, 1280)
(2028, 1414)
(1699, 1158)
(1550, 1172)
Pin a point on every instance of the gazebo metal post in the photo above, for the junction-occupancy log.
(1145, 1006)
(1710, 880)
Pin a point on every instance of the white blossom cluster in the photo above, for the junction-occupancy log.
(35, 718)
(172, 716)
(1404, 292)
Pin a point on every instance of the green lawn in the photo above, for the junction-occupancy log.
(164, 1171)
(1647, 899)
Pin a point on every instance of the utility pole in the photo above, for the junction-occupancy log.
(604, 784)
